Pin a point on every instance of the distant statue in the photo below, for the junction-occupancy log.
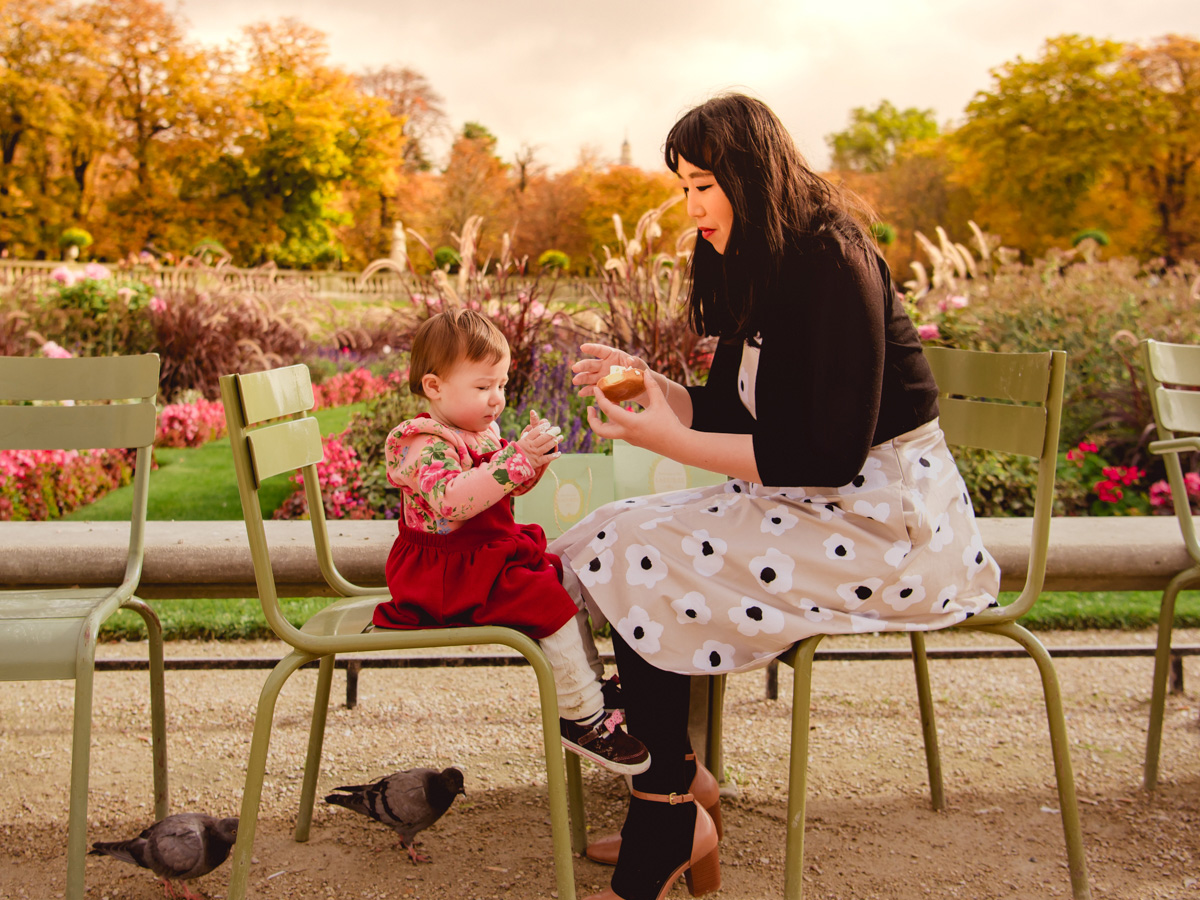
(399, 254)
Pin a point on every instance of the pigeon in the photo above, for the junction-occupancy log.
(406, 802)
(178, 848)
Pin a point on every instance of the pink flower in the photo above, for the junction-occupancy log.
(157, 306)
(954, 301)
(928, 332)
(125, 294)
(51, 350)
(1108, 491)
(63, 276)
(1088, 447)
(96, 272)
(431, 475)
(1160, 494)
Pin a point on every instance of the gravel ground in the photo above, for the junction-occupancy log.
(871, 832)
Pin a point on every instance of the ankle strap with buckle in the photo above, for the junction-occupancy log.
(671, 798)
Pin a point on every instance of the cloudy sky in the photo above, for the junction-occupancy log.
(560, 76)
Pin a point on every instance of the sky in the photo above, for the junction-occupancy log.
(563, 76)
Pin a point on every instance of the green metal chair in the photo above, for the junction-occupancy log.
(639, 471)
(1009, 403)
(1172, 378)
(51, 633)
(262, 447)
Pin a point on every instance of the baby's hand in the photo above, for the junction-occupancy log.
(539, 441)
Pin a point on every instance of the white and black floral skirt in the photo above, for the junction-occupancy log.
(725, 578)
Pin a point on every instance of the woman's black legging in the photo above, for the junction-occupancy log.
(656, 837)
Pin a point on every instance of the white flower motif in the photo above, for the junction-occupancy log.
(869, 477)
(905, 593)
(707, 553)
(646, 565)
(651, 524)
(714, 656)
(604, 539)
(924, 465)
(632, 502)
(974, 557)
(691, 608)
(943, 534)
(864, 622)
(828, 511)
(719, 504)
(855, 593)
(773, 571)
(947, 596)
(879, 512)
(963, 500)
(753, 618)
(735, 486)
(596, 571)
(815, 613)
(793, 493)
(896, 555)
(640, 631)
(777, 520)
(839, 547)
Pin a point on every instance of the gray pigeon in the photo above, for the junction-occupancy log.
(178, 848)
(406, 802)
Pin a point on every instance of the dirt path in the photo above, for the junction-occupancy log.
(871, 833)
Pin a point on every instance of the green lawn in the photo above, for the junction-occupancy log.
(243, 619)
(198, 483)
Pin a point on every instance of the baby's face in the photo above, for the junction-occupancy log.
(470, 396)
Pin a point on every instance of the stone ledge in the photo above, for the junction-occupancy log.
(212, 559)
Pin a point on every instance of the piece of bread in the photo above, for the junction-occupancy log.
(622, 383)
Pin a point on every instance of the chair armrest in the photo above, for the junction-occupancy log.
(1175, 445)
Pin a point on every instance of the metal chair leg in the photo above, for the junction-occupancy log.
(802, 661)
(316, 741)
(933, 758)
(158, 705)
(1162, 666)
(81, 743)
(256, 769)
(1068, 804)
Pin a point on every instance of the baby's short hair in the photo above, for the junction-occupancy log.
(447, 337)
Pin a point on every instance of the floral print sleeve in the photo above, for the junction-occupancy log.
(437, 471)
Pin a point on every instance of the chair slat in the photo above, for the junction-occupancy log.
(279, 392)
(993, 426)
(638, 472)
(1015, 377)
(1179, 410)
(76, 427)
(88, 378)
(1174, 363)
(283, 447)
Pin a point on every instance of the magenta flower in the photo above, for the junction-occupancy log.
(157, 306)
(52, 350)
(928, 332)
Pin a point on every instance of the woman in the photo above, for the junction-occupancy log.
(844, 513)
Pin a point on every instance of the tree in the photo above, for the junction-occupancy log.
(1043, 135)
(1167, 140)
(411, 99)
(875, 136)
(474, 183)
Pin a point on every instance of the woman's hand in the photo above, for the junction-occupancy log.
(589, 371)
(656, 427)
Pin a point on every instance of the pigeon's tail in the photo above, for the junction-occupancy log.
(350, 801)
(119, 849)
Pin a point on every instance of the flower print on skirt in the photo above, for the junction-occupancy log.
(725, 578)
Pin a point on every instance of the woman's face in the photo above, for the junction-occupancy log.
(707, 204)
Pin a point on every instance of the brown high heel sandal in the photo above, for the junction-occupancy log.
(702, 870)
(704, 788)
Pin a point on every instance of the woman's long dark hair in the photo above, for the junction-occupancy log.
(778, 202)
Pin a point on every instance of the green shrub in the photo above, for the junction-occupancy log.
(447, 259)
(75, 237)
(884, 233)
(554, 261)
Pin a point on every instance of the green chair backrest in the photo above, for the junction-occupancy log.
(266, 442)
(112, 407)
(639, 471)
(1173, 381)
(1007, 403)
(575, 484)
